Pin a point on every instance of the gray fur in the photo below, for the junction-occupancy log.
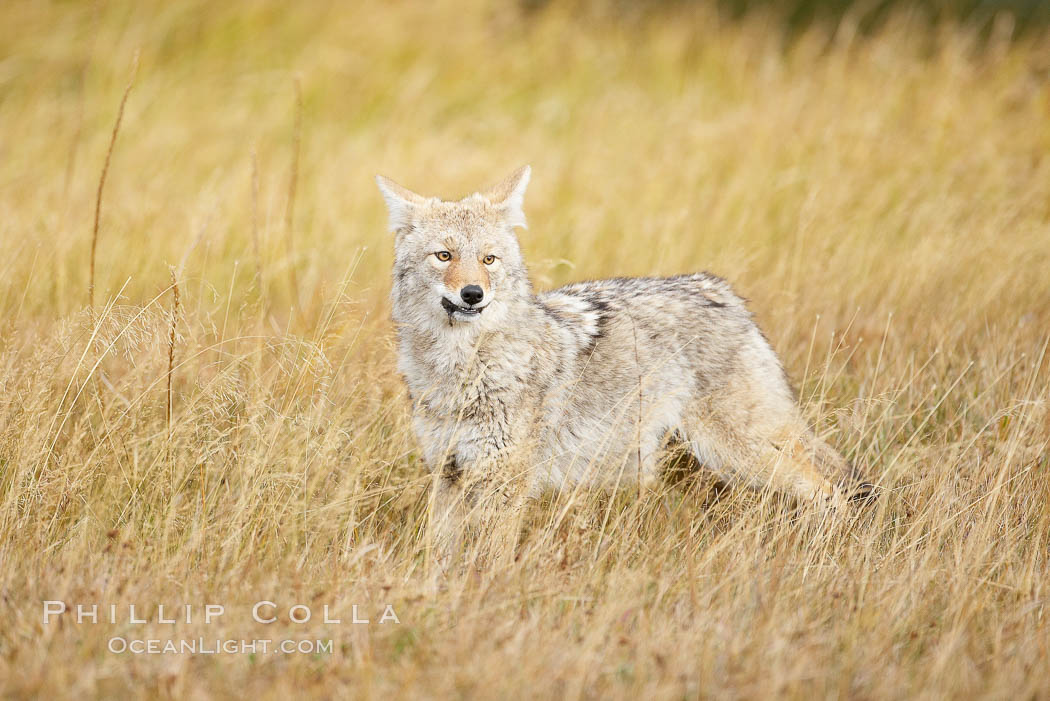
(583, 385)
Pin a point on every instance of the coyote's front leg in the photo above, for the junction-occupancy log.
(481, 491)
(448, 515)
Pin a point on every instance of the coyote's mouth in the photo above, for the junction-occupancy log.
(453, 308)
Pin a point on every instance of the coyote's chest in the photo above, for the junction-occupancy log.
(467, 405)
(486, 380)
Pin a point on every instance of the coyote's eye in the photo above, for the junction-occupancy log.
(443, 256)
(489, 259)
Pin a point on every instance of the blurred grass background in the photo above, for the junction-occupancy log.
(874, 176)
(798, 15)
(447, 100)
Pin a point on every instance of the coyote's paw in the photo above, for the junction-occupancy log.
(831, 503)
(864, 493)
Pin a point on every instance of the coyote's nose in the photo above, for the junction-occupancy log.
(472, 294)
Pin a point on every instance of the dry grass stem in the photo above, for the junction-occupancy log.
(293, 184)
(102, 178)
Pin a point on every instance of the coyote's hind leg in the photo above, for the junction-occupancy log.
(762, 457)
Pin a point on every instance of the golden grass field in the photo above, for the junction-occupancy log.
(883, 199)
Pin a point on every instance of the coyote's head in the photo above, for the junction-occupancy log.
(457, 263)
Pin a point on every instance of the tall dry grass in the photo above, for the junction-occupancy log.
(884, 201)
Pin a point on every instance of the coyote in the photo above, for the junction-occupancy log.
(583, 386)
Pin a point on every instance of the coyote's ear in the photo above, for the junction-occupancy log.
(510, 194)
(400, 202)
